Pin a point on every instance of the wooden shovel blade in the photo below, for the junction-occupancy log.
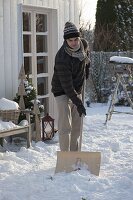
(68, 161)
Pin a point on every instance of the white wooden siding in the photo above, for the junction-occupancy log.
(19, 32)
(2, 72)
(7, 48)
(76, 12)
(14, 46)
(66, 11)
(61, 21)
(71, 8)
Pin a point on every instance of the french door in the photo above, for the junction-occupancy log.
(36, 50)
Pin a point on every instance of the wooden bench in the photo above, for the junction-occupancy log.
(18, 130)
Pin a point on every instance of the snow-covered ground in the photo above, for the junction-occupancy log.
(28, 174)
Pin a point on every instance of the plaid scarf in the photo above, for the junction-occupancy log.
(77, 53)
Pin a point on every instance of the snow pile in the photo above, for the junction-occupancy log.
(7, 125)
(6, 104)
(24, 122)
(122, 60)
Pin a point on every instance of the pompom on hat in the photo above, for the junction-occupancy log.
(70, 31)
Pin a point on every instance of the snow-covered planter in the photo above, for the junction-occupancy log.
(9, 110)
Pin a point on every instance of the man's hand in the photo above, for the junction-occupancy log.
(81, 110)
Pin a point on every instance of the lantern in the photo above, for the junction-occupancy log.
(47, 127)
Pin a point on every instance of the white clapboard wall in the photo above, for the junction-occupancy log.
(10, 27)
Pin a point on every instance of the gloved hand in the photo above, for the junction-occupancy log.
(81, 110)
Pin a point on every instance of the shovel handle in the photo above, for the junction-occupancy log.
(81, 126)
(80, 138)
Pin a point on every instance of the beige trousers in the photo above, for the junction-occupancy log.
(69, 124)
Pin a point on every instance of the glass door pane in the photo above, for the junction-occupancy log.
(42, 85)
(41, 43)
(45, 102)
(27, 43)
(28, 65)
(41, 23)
(26, 21)
(42, 64)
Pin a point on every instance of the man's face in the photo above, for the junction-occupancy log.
(73, 42)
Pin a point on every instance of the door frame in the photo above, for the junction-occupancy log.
(52, 23)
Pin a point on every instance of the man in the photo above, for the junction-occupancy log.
(67, 85)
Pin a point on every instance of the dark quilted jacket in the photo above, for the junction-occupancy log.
(68, 77)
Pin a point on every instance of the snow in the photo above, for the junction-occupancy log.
(120, 59)
(6, 104)
(7, 125)
(28, 174)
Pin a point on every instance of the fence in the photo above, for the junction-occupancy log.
(101, 81)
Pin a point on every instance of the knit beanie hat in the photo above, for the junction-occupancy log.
(70, 31)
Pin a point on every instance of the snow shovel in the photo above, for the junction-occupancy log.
(68, 161)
